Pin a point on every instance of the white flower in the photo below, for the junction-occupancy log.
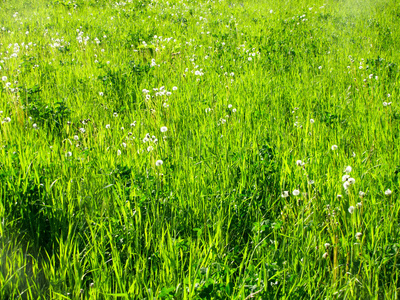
(76, 137)
(174, 88)
(123, 145)
(361, 194)
(388, 192)
(351, 209)
(68, 154)
(159, 163)
(234, 110)
(149, 148)
(325, 255)
(345, 177)
(83, 130)
(348, 169)
(133, 124)
(359, 204)
(163, 129)
(351, 180)
(334, 147)
(320, 67)
(339, 196)
(101, 93)
(230, 106)
(358, 235)
(296, 192)
(118, 152)
(346, 185)
(4, 78)
(299, 162)
(250, 58)
(35, 126)
(285, 194)
(312, 121)
(108, 126)
(327, 245)
(115, 115)
(385, 104)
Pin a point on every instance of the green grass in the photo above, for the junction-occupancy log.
(88, 212)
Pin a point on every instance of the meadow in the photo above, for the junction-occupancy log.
(193, 149)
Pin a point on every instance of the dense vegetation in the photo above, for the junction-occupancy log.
(199, 149)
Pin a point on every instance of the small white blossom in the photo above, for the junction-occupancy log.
(118, 152)
(388, 192)
(163, 129)
(296, 192)
(312, 121)
(68, 154)
(108, 126)
(83, 130)
(327, 245)
(159, 163)
(285, 194)
(325, 255)
(345, 177)
(76, 138)
(358, 235)
(334, 147)
(348, 169)
(351, 209)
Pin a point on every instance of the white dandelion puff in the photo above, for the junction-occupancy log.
(159, 163)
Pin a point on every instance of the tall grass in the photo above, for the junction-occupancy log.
(245, 195)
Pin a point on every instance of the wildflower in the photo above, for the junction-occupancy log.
(250, 58)
(320, 67)
(118, 152)
(348, 169)
(351, 180)
(339, 196)
(358, 235)
(159, 163)
(101, 94)
(325, 255)
(327, 245)
(68, 154)
(296, 192)
(133, 124)
(388, 192)
(108, 126)
(115, 115)
(4, 78)
(345, 177)
(174, 88)
(334, 147)
(234, 110)
(359, 204)
(361, 194)
(346, 185)
(76, 137)
(285, 194)
(384, 103)
(83, 130)
(230, 106)
(351, 209)
(312, 121)
(163, 129)
(149, 148)
(299, 163)
(35, 126)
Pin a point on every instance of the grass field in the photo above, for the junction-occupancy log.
(199, 149)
